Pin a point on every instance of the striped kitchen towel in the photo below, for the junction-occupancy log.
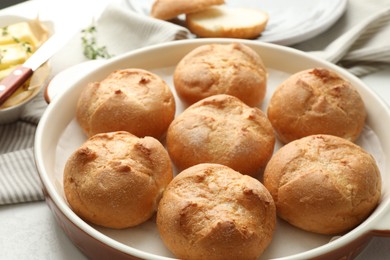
(19, 181)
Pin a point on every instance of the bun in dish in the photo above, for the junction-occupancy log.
(221, 129)
(316, 101)
(323, 184)
(132, 100)
(234, 69)
(116, 179)
(210, 211)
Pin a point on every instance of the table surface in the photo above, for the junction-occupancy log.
(29, 231)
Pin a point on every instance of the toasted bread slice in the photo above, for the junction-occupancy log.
(227, 22)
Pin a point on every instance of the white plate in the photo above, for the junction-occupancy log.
(295, 21)
(290, 22)
(58, 135)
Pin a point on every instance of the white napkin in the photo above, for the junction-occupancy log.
(361, 40)
(120, 30)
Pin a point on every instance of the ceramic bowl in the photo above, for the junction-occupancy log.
(11, 111)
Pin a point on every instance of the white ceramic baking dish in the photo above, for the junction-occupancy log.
(58, 135)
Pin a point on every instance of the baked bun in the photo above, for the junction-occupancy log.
(227, 22)
(221, 129)
(169, 9)
(210, 211)
(132, 100)
(234, 69)
(323, 184)
(116, 179)
(316, 101)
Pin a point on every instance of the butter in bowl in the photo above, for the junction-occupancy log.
(19, 39)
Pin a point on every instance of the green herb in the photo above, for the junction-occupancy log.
(90, 48)
(27, 47)
(2, 53)
(17, 40)
(4, 31)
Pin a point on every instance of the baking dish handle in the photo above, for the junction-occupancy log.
(382, 227)
(70, 74)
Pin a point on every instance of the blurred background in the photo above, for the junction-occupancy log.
(6, 3)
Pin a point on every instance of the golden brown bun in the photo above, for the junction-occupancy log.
(316, 101)
(116, 179)
(132, 100)
(323, 183)
(211, 212)
(221, 129)
(227, 22)
(169, 9)
(211, 69)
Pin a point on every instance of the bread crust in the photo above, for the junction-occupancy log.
(316, 101)
(323, 184)
(132, 100)
(169, 9)
(116, 179)
(211, 212)
(221, 129)
(234, 69)
(227, 22)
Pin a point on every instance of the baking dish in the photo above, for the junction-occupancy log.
(58, 135)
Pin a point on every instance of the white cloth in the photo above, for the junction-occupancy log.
(361, 40)
(120, 30)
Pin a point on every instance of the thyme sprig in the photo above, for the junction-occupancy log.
(4, 31)
(2, 53)
(90, 48)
